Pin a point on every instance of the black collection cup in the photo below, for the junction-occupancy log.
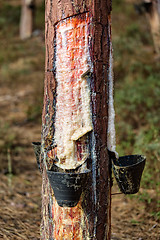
(68, 186)
(128, 172)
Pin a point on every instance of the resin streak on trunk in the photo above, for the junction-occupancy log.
(73, 114)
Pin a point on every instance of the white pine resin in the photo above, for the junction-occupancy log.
(73, 113)
(111, 138)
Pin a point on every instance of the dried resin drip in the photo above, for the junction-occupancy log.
(73, 113)
(111, 139)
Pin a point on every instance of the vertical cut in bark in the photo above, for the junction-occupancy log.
(75, 116)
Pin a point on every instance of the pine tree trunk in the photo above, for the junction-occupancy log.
(26, 21)
(75, 115)
(153, 15)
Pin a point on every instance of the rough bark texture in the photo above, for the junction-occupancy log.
(91, 218)
(26, 21)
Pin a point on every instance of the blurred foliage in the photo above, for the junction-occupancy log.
(137, 96)
(21, 66)
(7, 137)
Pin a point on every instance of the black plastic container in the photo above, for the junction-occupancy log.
(37, 151)
(128, 172)
(67, 187)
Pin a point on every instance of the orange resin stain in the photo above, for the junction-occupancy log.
(73, 115)
(70, 223)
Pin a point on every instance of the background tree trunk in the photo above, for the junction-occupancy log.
(153, 15)
(26, 21)
(91, 218)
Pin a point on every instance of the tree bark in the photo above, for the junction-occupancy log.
(78, 38)
(26, 21)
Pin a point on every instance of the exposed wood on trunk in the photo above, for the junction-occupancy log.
(26, 21)
(91, 218)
